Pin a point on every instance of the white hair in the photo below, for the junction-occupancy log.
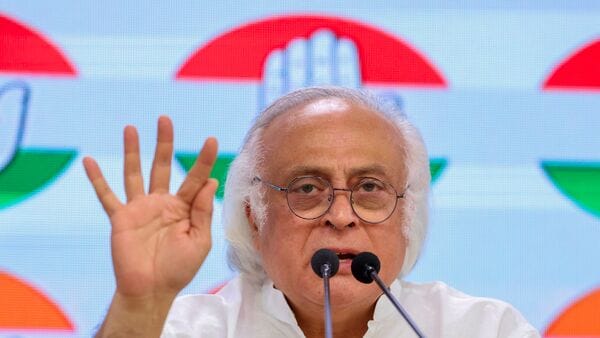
(241, 192)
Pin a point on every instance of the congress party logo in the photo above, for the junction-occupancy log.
(24, 307)
(24, 54)
(281, 54)
(579, 181)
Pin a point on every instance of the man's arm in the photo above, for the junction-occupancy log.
(135, 318)
(159, 240)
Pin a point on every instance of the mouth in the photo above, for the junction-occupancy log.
(345, 255)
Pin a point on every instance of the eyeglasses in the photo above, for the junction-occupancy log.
(310, 197)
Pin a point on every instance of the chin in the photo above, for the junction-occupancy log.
(346, 290)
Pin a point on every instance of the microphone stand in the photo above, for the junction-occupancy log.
(325, 271)
(373, 273)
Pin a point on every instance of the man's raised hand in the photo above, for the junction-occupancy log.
(159, 240)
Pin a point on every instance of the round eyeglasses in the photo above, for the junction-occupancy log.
(310, 197)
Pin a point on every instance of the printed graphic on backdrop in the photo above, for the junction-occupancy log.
(578, 72)
(282, 54)
(25, 53)
(580, 319)
(579, 181)
(24, 307)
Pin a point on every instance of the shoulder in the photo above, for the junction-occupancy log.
(441, 294)
(460, 313)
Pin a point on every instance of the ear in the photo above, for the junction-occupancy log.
(253, 225)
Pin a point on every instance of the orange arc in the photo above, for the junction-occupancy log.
(22, 307)
(581, 319)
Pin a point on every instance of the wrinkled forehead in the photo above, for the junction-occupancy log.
(332, 130)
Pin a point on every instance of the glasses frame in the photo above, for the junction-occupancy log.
(333, 189)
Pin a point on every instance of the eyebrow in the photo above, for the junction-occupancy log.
(374, 169)
(304, 170)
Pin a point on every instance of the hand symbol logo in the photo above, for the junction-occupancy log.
(323, 59)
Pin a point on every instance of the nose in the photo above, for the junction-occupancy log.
(340, 214)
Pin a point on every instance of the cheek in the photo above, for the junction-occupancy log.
(278, 235)
(281, 251)
(392, 243)
(264, 226)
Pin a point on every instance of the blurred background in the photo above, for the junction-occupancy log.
(507, 97)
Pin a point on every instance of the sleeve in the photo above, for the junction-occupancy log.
(197, 316)
(513, 325)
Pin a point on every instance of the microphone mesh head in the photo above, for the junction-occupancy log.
(363, 264)
(322, 257)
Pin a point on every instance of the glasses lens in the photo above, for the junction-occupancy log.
(373, 200)
(309, 197)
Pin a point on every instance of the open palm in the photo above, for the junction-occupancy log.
(159, 240)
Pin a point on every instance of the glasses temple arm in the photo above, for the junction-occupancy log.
(271, 185)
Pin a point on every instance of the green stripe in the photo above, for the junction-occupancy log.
(219, 171)
(579, 181)
(31, 170)
(436, 167)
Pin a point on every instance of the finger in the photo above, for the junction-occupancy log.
(297, 69)
(110, 202)
(273, 78)
(322, 43)
(202, 208)
(161, 166)
(348, 70)
(199, 172)
(134, 183)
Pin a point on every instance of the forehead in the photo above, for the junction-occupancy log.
(332, 135)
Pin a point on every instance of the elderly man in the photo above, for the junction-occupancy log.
(320, 168)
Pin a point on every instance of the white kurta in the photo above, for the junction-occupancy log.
(242, 309)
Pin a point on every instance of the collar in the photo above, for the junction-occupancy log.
(384, 308)
(274, 303)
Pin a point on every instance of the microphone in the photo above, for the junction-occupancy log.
(365, 268)
(325, 264)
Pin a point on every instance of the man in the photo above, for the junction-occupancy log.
(320, 168)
